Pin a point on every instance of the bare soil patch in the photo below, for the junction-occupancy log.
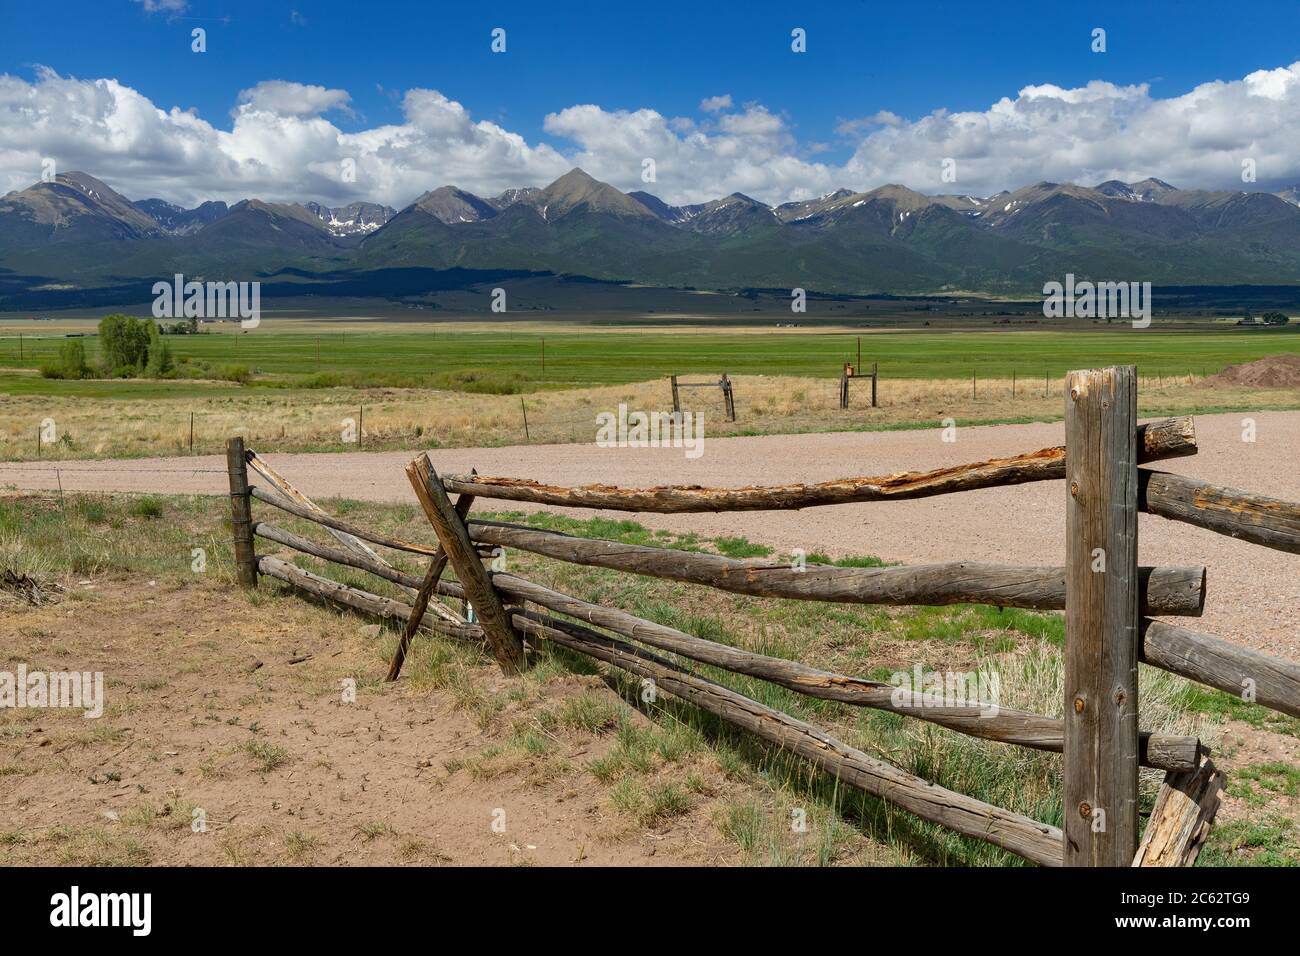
(1272, 371)
(208, 715)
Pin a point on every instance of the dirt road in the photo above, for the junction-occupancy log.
(1254, 592)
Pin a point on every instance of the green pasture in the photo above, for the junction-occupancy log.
(445, 356)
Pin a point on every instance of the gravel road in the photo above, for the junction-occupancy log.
(1253, 592)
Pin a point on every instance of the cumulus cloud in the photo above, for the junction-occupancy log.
(749, 151)
(279, 146)
(1096, 132)
(283, 143)
(292, 99)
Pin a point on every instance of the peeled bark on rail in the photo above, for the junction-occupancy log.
(1240, 671)
(1015, 832)
(1181, 819)
(1167, 591)
(358, 600)
(1258, 519)
(1156, 441)
(1002, 724)
(338, 524)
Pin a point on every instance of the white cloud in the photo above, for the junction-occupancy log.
(164, 6)
(281, 143)
(279, 146)
(1096, 132)
(292, 99)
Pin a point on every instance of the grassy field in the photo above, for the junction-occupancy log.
(663, 769)
(441, 355)
(308, 384)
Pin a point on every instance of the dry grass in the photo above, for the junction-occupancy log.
(316, 419)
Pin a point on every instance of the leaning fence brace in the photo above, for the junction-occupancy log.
(1108, 599)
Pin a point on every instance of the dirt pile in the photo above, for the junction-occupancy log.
(1272, 371)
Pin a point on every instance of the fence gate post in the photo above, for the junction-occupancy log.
(1100, 759)
(453, 536)
(241, 516)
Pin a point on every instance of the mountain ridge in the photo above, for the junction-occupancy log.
(887, 239)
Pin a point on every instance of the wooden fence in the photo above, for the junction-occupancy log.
(1110, 602)
(723, 382)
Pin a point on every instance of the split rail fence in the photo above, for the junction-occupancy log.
(1112, 610)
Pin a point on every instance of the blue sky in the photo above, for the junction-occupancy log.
(863, 58)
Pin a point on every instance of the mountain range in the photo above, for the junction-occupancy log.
(75, 239)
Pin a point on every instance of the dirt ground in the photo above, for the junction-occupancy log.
(215, 717)
(1252, 592)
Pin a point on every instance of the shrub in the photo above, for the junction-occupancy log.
(147, 507)
(160, 354)
(72, 359)
(235, 373)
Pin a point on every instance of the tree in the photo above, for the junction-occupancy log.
(123, 343)
(1276, 318)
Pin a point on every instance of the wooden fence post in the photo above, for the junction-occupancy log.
(241, 516)
(728, 399)
(1100, 759)
(677, 401)
(875, 372)
(454, 539)
(437, 564)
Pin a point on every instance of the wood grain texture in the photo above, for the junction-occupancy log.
(241, 517)
(1167, 591)
(437, 564)
(1245, 673)
(1258, 519)
(1169, 438)
(454, 539)
(1181, 818)
(1100, 762)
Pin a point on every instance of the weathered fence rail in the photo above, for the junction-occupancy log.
(1110, 603)
(1157, 441)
